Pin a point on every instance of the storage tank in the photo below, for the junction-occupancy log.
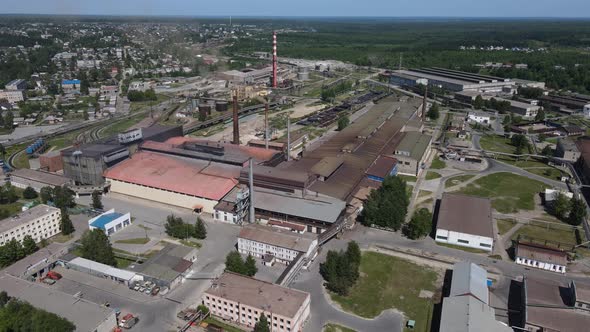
(302, 74)
(205, 109)
(221, 106)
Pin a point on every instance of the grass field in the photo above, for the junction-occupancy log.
(390, 282)
(543, 231)
(473, 250)
(432, 175)
(437, 163)
(509, 192)
(139, 240)
(21, 161)
(190, 243)
(496, 143)
(504, 225)
(123, 263)
(122, 125)
(458, 180)
(12, 208)
(407, 178)
(60, 238)
(336, 328)
(537, 167)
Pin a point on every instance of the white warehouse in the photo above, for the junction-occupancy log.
(110, 222)
(479, 117)
(465, 221)
(40, 222)
(284, 246)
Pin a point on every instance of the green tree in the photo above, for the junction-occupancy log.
(97, 200)
(343, 122)
(353, 252)
(519, 141)
(95, 246)
(3, 299)
(388, 205)
(17, 315)
(561, 206)
(420, 225)
(434, 112)
(341, 269)
(540, 115)
(86, 116)
(200, 232)
(63, 197)
(29, 245)
(478, 103)
(8, 194)
(577, 213)
(177, 228)
(235, 263)
(8, 120)
(29, 193)
(250, 268)
(66, 227)
(262, 325)
(46, 194)
(547, 151)
(2, 150)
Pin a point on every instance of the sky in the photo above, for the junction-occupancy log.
(381, 8)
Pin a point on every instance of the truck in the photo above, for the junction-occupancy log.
(53, 275)
(128, 321)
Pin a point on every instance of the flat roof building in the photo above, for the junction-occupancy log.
(242, 300)
(40, 222)
(86, 315)
(101, 270)
(465, 221)
(24, 177)
(412, 152)
(453, 80)
(110, 221)
(540, 257)
(285, 246)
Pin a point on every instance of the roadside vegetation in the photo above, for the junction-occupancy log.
(387, 206)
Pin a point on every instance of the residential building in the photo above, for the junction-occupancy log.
(467, 308)
(24, 177)
(567, 150)
(412, 153)
(12, 96)
(540, 256)
(110, 221)
(85, 315)
(40, 222)
(16, 85)
(479, 117)
(465, 221)
(285, 246)
(242, 300)
(70, 85)
(550, 305)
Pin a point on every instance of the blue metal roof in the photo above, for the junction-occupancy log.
(101, 221)
(70, 82)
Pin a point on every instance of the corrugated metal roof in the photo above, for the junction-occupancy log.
(276, 237)
(470, 279)
(102, 268)
(467, 314)
(170, 173)
(327, 166)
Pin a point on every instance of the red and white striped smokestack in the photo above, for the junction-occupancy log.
(274, 59)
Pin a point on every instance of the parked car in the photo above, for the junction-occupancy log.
(155, 291)
(53, 275)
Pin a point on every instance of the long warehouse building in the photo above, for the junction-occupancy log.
(448, 79)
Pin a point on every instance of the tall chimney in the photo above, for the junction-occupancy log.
(288, 136)
(274, 59)
(235, 120)
(251, 183)
(266, 125)
(425, 103)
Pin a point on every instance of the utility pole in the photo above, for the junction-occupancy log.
(401, 55)
(251, 182)
(266, 125)
(288, 136)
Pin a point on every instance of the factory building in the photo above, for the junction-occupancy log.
(24, 177)
(40, 222)
(86, 164)
(247, 76)
(171, 180)
(412, 152)
(451, 80)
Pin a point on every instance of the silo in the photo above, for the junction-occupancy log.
(221, 106)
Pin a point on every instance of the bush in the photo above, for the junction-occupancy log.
(420, 225)
(29, 193)
(341, 269)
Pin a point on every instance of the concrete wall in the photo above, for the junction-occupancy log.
(161, 196)
(455, 238)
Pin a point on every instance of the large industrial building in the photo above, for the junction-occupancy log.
(24, 177)
(241, 300)
(86, 164)
(40, 222)
(448, 79)
(412, 152)
(465, 221)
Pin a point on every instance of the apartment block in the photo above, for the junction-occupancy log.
(40, 222)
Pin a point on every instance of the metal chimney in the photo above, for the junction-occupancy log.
(274, 59)
(288, 136)
(235, 121)
(251, 184)
(425, 103)
(266, 125)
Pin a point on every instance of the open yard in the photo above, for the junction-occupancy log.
(388, 282)
(432, 175)
(537, 167)
(496, 144)
(336, 328)
(437, 163)
(544, 231)
(407, 178)
(457, 180)
(504, 225)
(140, 240)
(509, 192)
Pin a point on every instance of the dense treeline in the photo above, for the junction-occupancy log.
(142, 95)
(387, 206)
(17, 315)
(341, 268)
(14, 251)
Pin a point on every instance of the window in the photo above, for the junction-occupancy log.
(442, 237)
(485, 245)
(462, 241)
